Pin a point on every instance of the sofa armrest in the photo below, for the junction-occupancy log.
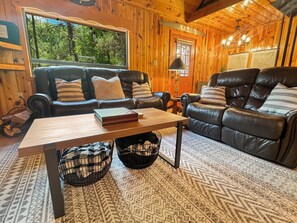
(288, 152)
(40, 105)
(165, 97)
(186, 99)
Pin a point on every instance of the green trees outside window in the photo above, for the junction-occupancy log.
(57, 42)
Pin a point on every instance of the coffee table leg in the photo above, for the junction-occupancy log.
(176, 161)
(179, 133)
(54, 180)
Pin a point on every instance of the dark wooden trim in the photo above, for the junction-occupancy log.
(287, 41)
(211, 8)
(293, 46)
(279, 40)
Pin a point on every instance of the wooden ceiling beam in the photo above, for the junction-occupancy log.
(199, 3)
(211, 8)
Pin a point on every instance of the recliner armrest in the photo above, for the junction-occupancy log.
(288, 152)
(40, 105)
(186, 99)
(165, 97)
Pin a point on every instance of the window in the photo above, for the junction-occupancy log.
(183, 50)
(57, 42)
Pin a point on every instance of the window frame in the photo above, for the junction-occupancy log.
(91, 24)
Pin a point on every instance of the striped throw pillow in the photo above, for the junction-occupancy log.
(213, 95)
(69, 91)
(141, 90)
(281, 100)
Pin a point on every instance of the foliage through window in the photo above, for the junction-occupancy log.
(57, 42)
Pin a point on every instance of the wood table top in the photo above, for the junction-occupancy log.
(74, 130)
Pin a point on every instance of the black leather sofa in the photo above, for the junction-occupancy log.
(44, 103)
(239, 124)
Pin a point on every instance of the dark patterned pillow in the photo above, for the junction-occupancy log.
(213, 95)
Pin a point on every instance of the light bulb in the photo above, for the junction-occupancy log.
(230, 38)
(248, 39)
(239, 42)
(224, 42)
(243, 37)
(228, 43)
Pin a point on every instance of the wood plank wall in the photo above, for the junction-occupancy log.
(148, 42)
(267, 37)
(12, 83)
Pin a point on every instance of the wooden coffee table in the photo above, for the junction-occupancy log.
(47, 135)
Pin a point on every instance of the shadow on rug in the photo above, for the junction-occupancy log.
(215, 183)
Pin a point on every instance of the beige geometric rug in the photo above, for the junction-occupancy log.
(215, 183)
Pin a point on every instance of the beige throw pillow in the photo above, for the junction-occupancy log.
(69, 91)
(107, 89)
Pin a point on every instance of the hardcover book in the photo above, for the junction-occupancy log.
(108, 116)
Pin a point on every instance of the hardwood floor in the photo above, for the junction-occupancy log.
(5, 144)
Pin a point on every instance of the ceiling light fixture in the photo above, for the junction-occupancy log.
(232, 43)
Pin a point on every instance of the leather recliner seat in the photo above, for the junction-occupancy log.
(45, 104)
(239, 124)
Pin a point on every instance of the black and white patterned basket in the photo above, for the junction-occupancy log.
(86, 164)
(139, 151)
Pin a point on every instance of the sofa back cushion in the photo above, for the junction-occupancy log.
(45, 79)
(127, 77)
(238, 85)
(266, 80)
(99, 72)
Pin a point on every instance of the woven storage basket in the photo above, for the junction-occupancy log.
(139, 151)
(86, 164)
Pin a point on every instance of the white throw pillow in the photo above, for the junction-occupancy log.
(69, 90)
(281, 100)
(107, 89)
(213, 95)
(141, 90)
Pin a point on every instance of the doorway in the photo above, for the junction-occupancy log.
(184, 48)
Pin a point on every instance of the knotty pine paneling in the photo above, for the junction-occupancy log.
(149, 43)
(267, 37)
(12, 83)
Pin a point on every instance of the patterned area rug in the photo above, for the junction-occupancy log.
(215, 183)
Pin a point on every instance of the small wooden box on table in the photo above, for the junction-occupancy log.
(48, 135)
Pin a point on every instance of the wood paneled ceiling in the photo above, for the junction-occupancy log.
(253, 13)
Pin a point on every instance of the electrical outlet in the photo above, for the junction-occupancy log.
(155, 62)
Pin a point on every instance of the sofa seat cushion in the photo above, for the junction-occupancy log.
(206, 113)
(126, 102)
(60, 108)
(261, 147)
(150, 102)
(254, 123)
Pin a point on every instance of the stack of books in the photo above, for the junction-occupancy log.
(109, 116)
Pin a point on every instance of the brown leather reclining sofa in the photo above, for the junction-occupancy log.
(44, 103)
(239, 124)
